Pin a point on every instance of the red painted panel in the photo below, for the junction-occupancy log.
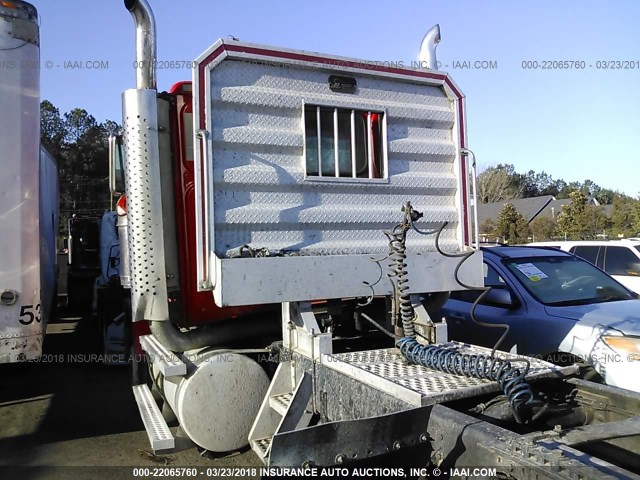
(139, 329)
(197, 307)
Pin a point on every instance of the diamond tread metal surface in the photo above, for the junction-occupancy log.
(263, 445)
(281, 402)
(389, 371)
(260, 195)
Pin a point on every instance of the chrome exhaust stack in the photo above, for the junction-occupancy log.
(149, 298)
(427, 55)
(148, 247)
(145, 42)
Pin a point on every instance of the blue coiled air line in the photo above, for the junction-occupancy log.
(449, 360)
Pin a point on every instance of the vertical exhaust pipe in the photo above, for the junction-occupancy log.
(143, 183)
(145, 42)
(427, 55)
(149, 297)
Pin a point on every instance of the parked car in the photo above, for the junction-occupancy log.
(619, 258)
(558, 307)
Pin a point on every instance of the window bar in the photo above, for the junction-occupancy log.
(335, 142)
(370, 144)
(384, 155)
(319, 134)
(353, 143)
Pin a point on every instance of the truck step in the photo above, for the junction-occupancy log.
(273, 409)
(280, 403)
(262, 447)
(285, 408)
(160, 437)
(168, 362)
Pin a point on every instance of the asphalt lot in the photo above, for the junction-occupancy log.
(69, 414)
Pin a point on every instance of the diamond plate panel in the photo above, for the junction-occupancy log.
(388, 370)
(342, 242)
(260, 193)
(256, 97)
(422, 147)
(235, 115)
(253, 175)
(305, 78)
(324, 215)
(259, 136)
(398, 163)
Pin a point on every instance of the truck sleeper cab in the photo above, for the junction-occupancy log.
(318, 177)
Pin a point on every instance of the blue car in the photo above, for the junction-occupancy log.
(557, 306)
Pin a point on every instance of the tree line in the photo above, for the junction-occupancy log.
(502, 182)
(80, 145)
(581, 219)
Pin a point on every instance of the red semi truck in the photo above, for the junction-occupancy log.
(337, 190)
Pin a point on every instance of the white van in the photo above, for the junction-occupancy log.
(619, 258)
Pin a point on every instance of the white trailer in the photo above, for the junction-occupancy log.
(28, 189)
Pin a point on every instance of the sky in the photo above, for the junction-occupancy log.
(574, 124)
